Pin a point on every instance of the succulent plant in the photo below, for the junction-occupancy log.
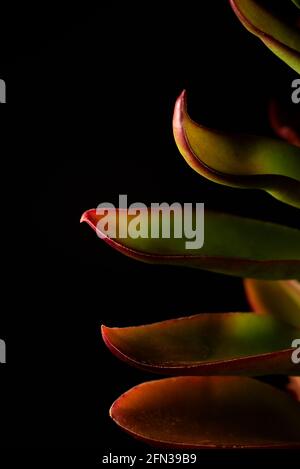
(212, 399)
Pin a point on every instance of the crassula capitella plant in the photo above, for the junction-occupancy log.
(212, 399)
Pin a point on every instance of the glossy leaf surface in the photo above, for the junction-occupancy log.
(294, 387)
(297, 3)
(242, 161)
(232, 245)
(279, 298)
(207, 344)
(281, 38)
(209, 412)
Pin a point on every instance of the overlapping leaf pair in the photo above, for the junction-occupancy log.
(211, 402)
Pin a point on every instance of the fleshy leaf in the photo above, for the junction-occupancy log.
(297, 3)
(280, 298)
(285, 122)
(281, 38)
(232, 245)
(209, 412)
(243, 161)
(207, 344)
(294, 386)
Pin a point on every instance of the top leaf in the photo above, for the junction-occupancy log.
(279, 37)
(244, 161)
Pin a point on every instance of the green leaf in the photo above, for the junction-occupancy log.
(242, 161)
(281, 38)
(209, 412)
(297, 3)
(232, 245)
(207, 344)
(281, 299)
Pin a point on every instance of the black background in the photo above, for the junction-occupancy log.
(90, 99)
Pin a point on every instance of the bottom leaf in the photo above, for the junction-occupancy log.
(209, 412)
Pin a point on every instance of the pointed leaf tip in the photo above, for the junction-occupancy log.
(83, 218)
(253, 248)
(89, 217)
(238, 160)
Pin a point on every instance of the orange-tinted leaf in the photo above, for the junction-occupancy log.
(285, 122)
(294, 387)
(209, 412)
